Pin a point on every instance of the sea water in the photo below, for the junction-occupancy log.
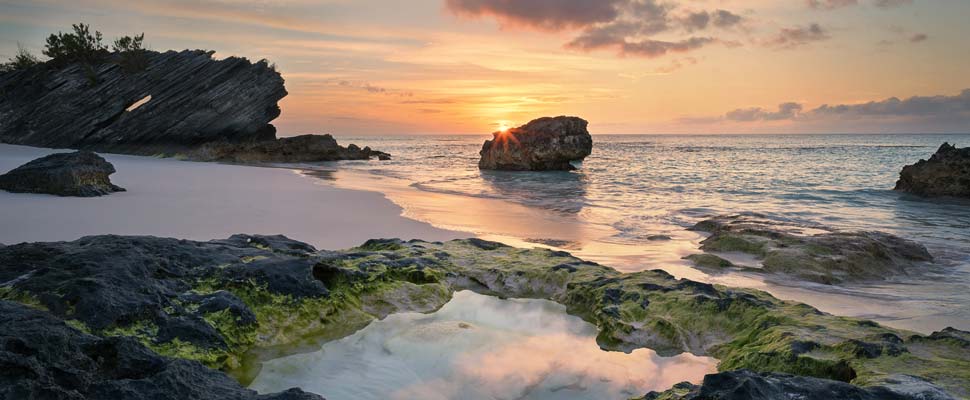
(635, 187)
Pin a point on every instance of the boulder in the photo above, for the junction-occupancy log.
(545, 144)
(181, 100)
(78, 174)
(297, 149)
(946, 173)
(817, 254)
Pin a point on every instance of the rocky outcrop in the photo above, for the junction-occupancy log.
(41, 357)
(297, 149)
(750, 385)
(946, 173)
(216, 301)
(183, 99)
(80, 174)
(545, 144)
(826, 256)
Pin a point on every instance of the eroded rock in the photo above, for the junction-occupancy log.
(946, 173)
(79, 174)
(821, 255)
(297, 149)
(544, 144)
(183, 99)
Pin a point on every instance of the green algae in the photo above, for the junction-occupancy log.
(22, 297)
(711, 261)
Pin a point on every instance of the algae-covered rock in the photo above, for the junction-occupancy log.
(78, 174)
(41, 357)
(297, 149)
(817, 254)
(198, 301)
(749, 385)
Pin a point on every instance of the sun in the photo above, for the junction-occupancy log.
(503, 126)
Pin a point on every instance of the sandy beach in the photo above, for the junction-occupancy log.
(202, 201)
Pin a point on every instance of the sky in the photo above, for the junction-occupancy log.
(361, 67)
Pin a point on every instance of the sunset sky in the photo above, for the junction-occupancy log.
(628, 66)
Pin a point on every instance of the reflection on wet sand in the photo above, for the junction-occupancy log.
(479, 347)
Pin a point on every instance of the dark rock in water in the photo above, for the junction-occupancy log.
(191, 99)
(545, 144)
(750, 385)
(80, 174)
(41, 357)
(827, 257)
(946, 173)
(304, 148)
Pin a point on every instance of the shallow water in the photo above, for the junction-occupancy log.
(479, 347)
(635, 187)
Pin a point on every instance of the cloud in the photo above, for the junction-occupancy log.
(700, 20)
(830, 4)
(919, 37)
(950, 107)
(785, 111)
(914, 106)
(835, 4)
(798, 36)
(628, 27)
(542, 14)
(891, 3)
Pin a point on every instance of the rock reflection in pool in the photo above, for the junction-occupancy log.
(479, 347)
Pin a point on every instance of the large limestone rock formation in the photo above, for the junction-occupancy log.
(946, 173)
(80, 174)
(183, 99)
(545, 144)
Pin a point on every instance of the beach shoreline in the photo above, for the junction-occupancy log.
(205, 201)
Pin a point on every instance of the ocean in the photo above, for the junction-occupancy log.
(636, 186)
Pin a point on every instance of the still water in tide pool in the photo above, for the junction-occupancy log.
(479, 347)
(636, 187)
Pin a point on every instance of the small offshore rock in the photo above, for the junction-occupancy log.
(544, 144)
(946, 173)
(78, 174)
(297, 149)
